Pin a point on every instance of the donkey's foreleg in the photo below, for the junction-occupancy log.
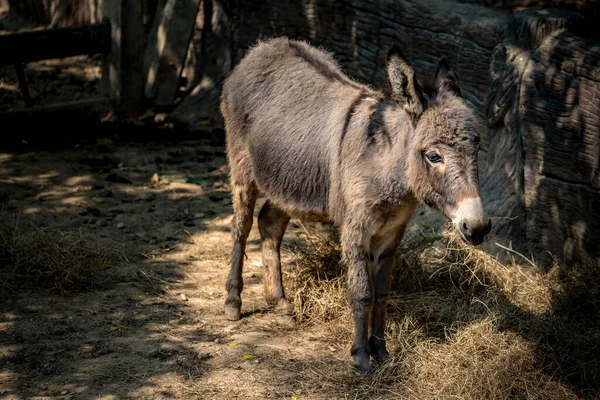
(381, 284)
(272, 223)
(244, 198)
(360, 296)
(381, 271)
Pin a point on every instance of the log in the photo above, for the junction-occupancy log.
(95, 106)
(35, 45)
(64, 115)
(167, 49)
(74, 121)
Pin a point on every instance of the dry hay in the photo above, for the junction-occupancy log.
(318, 281)
(32, 258)
(461, 325)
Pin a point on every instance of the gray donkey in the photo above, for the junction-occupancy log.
(323, 147)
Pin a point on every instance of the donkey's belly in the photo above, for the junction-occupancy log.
(294, 179)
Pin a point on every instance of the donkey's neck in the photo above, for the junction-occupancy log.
(394, 158)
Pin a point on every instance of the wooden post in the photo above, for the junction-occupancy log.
(167, 49)
(122, 70)
(23, 85)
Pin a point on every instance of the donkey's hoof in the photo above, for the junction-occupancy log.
(232, 312)
(378, 351)
(362, 362)
(283, 307)
(363, 366)
(381, 356)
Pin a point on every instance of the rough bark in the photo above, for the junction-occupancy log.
(544, 115)
(561, 139)
(358, 32)
(502, 181)
(167, 49)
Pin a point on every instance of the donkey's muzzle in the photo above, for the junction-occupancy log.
(474, 233)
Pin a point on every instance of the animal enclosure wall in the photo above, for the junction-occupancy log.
(544, 118)
(532, 76)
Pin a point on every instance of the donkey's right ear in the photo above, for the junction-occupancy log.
(403, 83)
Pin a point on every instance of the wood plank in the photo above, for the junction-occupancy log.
(167, 49)
(44, 44)
(123, 68)
(43, 127)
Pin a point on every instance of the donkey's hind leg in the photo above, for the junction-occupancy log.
(272, 223)
(244, 198)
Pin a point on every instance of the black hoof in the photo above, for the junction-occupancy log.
(379, 352)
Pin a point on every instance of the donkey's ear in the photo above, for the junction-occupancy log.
(445, 78)
(403, 83)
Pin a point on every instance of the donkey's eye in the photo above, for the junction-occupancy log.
(434, 157)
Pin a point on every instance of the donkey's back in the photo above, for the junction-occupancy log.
(285, 106)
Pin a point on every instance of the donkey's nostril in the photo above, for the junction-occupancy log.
(465, 229)
(474, 232)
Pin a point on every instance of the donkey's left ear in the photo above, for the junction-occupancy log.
(445, 78)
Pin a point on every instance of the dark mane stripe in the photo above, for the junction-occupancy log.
(321, 67)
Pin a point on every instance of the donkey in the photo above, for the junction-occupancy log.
(323, 147)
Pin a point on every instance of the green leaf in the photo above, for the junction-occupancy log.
(194, 181)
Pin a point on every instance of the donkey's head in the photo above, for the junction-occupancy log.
(442, 159)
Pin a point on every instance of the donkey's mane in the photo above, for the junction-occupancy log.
(428, 86)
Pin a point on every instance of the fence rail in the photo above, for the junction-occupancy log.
(43, 44)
